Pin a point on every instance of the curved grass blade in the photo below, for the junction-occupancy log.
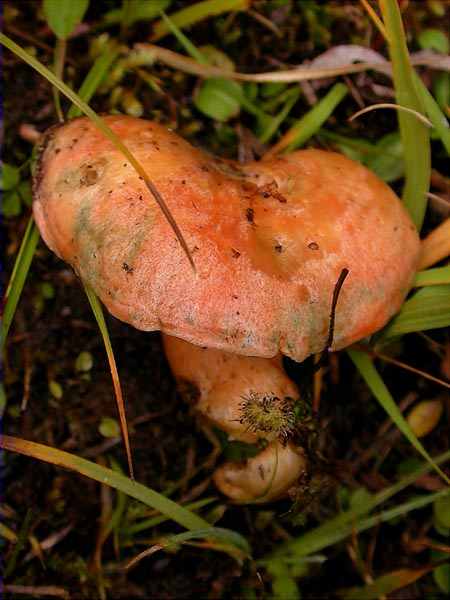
(429, 308)
(365, 366)
(107, 132)
(432, 108)
(437, 276)
(233, 543)
(415, 136)
(116, 480)
(19, 275)
(197, 12)
(98, 312)
(386, 584)
(394, 106)
(436, 245)
(351, 521)
(218, 534)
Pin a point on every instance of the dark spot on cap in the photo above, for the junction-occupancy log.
(250, 215)
(278, 248)
(235, 253)
(89, 176)
(313, 246)
(126, 267)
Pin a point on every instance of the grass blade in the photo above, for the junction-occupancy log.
(390, 582)
(340, 527)
(184, 40)
(197, 12)
(275, 122)
(157, 520)
(222, 536)
(415, 136)
(234, 543)
(365, 366)
(94, 78)
(107, 132)
(310, 123)
(20, 543)
(98, 313)
(106, 476)
(19, 275)
(429, 308)
(438, 276)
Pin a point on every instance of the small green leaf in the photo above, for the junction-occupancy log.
(219, 99)
(47, 290)
(387, 159)
(441, 510)
(10, 177)
(109, 427)
(441, 576)
(64, 15)
(11, 205)
(434, 39)
(133, 11)
(24, 189)
(55, 389)
(197, 12)
(84, 362)
(215, 57)
(273, 88)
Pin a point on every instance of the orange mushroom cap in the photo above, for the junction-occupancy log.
(269, 239)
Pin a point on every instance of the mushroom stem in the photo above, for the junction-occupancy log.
(251, 399)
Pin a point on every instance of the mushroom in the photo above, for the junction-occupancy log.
(269, 240)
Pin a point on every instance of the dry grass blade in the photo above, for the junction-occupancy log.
(436, 246)
(375, 18)
(38, 591)
(368, 109)
(406, 367)
(149, 53)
